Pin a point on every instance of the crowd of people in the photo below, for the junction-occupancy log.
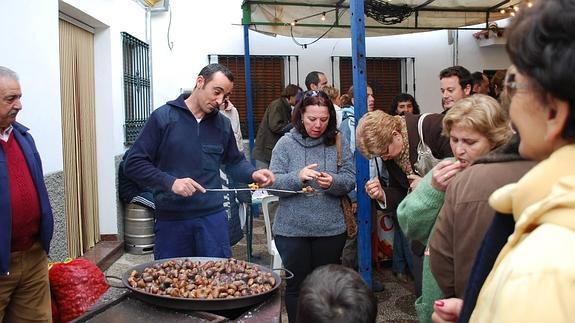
(482, 232)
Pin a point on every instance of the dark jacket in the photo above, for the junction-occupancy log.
(46, 219)
(432, 127)
(174, 145)
(273, 126)
(130, 192)
(465, 216)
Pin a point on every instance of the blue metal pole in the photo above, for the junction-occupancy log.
(249, 102)
(248, 72)
(361, 164)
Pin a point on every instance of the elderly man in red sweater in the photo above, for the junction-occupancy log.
(26, 222)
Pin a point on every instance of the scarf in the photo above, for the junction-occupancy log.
(403, 159)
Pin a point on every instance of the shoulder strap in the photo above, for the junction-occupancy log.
(420, 127)
(338, 147)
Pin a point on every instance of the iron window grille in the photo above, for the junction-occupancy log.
(137, 86)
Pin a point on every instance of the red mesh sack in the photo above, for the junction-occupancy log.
(55, 313)
(75, 286)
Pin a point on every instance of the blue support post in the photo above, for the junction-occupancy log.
(362, 165)
(249, 101)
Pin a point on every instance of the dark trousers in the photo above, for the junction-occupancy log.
(301, 255)
(205, 236)
(417, 272)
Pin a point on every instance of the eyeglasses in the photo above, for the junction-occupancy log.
(511, 86)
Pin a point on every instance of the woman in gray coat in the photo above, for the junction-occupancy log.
(309, 228)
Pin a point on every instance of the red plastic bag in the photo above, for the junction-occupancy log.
(75, 286)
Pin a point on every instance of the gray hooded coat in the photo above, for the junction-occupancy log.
(318, 214)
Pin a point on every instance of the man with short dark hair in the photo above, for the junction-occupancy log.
(178, 153)
(479, 83)
(455, 85)
(26, 221)
(315, 81)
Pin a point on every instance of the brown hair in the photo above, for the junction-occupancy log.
(315, 98)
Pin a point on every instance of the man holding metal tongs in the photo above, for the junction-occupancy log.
(179, 153)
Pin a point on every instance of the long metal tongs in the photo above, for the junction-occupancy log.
(249, 189)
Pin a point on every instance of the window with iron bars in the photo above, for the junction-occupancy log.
(137, 86)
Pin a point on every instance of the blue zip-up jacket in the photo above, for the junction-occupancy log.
(28, 147)
(174, 145)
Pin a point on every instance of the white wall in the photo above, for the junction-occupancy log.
(477, 58)
(29, 38)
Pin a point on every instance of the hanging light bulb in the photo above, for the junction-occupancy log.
(502, 11)
(516, 8)
(293, 22)
(323, 16)
(512, 13)
(529, 4)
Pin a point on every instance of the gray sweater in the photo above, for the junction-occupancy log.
(318, 214)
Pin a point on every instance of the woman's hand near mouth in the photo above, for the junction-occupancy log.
(444, 172)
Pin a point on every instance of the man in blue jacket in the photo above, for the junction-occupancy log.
(26, 223)
(178, 154)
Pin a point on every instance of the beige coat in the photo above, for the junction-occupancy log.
(533, 279)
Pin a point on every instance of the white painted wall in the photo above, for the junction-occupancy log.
(29, 41)
(29, 38)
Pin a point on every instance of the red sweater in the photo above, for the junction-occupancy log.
(24, 201)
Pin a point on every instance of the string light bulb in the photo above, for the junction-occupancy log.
(512, 13)
(516, 8)
(502, 11)
(293, 22)
(529, 4)
(323, 16)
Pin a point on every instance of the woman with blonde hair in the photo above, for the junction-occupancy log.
(475, 126)
(333, 94)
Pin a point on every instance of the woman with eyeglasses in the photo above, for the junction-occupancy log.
(309, 228)
(395, 140)
(533, 277)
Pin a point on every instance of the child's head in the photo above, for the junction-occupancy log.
(334, 293)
